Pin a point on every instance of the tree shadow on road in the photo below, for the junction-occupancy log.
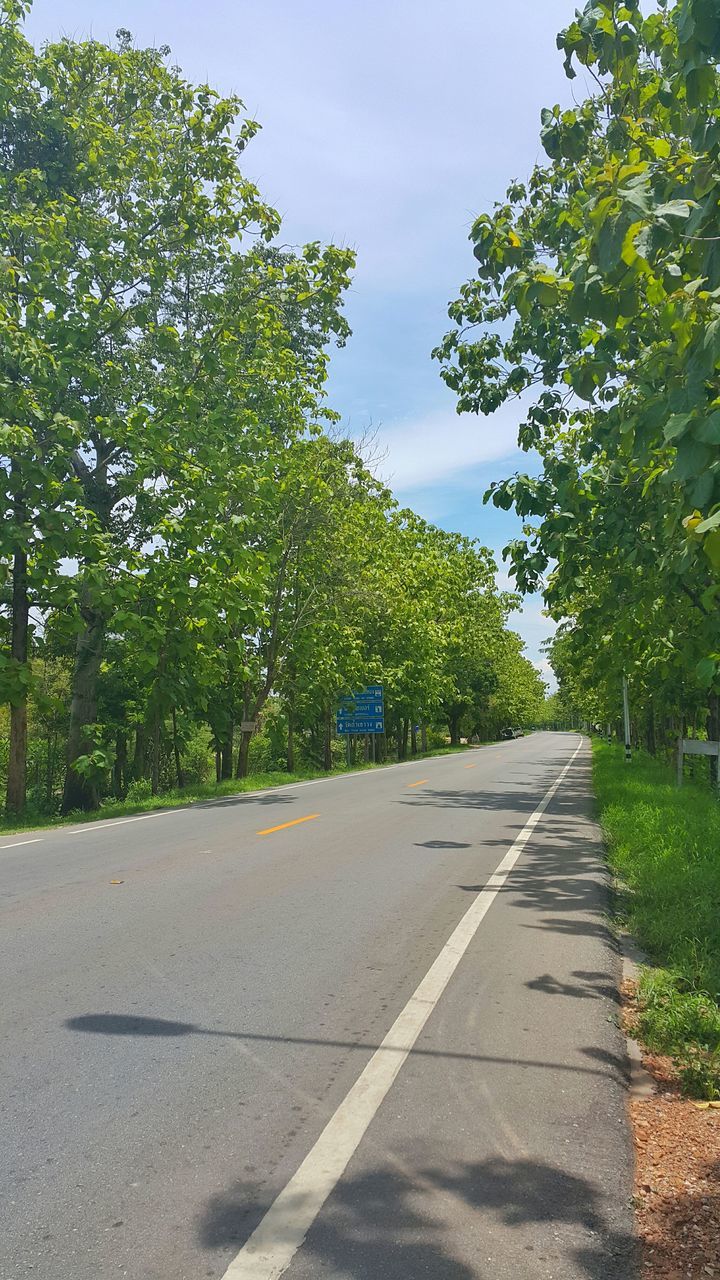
(400, 1224)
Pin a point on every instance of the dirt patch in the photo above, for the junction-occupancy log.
(677, 1174)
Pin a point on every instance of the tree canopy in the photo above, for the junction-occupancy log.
(596, 305)
(190, 549)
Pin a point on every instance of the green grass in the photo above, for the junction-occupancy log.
(201, 791)
(664, 844)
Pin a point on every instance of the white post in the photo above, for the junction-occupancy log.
(626, 713)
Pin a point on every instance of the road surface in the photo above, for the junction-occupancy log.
(191, 997)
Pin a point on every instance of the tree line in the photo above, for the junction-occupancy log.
(596, 304)
(190, 549)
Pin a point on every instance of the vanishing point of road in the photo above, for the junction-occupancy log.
(363, 1028)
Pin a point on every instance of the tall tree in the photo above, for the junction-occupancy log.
(597, 299)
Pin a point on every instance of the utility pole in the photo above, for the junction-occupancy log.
(626, 713)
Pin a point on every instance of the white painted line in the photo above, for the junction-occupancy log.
(275, 1241)
(120, 822)
(37, 840)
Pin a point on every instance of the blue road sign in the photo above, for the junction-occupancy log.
(360, 724)
(362, 712)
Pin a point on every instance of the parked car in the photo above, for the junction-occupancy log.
(507, 734)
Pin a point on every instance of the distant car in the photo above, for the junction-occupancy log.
(518, 733)
(507, 733)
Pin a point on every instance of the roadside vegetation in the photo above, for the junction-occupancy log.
(663, 844)
(594, 302)
(195, 564)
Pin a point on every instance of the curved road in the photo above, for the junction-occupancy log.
(191, 997)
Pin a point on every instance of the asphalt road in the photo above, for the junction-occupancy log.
(173, 1045)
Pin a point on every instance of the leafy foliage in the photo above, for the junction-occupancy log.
(597, 300)
(194, 562)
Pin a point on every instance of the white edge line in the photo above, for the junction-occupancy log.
(120, 822)
(37, 840)
(275, 1241)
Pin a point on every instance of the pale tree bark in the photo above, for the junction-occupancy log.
(17, 761)
(81, 792)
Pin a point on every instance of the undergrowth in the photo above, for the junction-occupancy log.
(664, 844)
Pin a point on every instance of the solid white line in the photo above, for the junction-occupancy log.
(120, 822)
(37, 840)
(276, 1240)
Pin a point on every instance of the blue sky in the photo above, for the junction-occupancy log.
(386, 126)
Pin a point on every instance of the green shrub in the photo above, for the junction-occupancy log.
(139, 790)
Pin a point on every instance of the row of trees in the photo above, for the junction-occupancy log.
(188, 542)
(597, 305)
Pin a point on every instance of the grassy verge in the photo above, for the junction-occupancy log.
(664, 844)
(203, 791)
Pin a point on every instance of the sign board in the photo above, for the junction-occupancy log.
(360, 724)
(248, 726)
(362, 712)
(696, 747)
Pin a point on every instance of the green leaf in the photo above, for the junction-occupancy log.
(676, 425)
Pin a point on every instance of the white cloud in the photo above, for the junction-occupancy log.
(443, 445)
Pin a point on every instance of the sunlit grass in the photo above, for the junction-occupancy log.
(664, 844)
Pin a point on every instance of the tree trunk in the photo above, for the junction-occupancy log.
(82, 792)
(218, 767)
(50, 768)
(327, 743)
(180, 776)
(413, 741)
(226, 753)
(241, 769)
(713, 733)
(650, 730)
(243, 754)
(17, 761)
(291, 742)
(155, 776)
(403, 739)
(120, 765)
(423, 737)
(454, 726)
(138, 764)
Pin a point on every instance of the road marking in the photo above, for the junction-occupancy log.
(269, 830)
(120, 822)
(421, 783)
(471, 766)
(275, 1241)
(37, 840)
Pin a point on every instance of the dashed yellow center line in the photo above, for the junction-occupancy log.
(283, 825)
(471, 766)
(421, 783)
